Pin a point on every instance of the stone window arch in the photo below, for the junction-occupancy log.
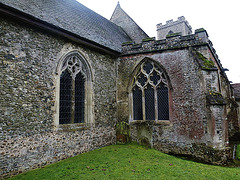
(74, 90)
(150, 93)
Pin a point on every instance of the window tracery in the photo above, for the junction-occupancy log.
(150, 94)
(72, 91)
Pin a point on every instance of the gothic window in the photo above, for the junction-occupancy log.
(72, 90)
(150, 94)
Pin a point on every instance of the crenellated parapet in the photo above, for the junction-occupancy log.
(172, 41)
(181, 25)
(180, 19)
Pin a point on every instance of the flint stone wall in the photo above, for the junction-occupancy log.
(24, 153)
(188, 131)
(28, 61)
(187, 95)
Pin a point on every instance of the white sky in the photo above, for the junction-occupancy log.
(219, 17)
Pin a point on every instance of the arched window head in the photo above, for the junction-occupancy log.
(73, 77)
(150, 93)
(74, 64)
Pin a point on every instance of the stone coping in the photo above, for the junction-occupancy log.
(172, 42)
(176, 41)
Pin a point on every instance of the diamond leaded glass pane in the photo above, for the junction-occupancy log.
(65, 98)
(163, 106)
(149, 103)
(137, 105)
(79, 98)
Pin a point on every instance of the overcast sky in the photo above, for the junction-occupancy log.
(219, 17)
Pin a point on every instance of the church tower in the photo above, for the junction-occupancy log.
(180, 27)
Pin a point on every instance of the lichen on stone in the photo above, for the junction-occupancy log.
(215, 98)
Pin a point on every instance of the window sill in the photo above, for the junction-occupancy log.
(151, 122)
(73, 127)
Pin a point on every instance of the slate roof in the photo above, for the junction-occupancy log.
(122, 19)
(236, 89)
(74, 17)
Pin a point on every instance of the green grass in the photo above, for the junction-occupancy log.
(129, 162)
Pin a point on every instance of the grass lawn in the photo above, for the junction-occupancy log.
(129, 161)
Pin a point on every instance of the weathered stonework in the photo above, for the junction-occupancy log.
(192, 108)
(29, 135)
(23, 153)
(236, 115)
(198, 111)
(181, 26)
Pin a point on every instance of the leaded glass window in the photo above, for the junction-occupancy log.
(65, 97)
(137, 99)
(150, 94)
(72, 91)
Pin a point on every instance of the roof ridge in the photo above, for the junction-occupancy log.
(122, 19)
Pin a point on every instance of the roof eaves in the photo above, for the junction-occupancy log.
(35, 22)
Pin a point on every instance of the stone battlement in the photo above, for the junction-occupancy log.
(172, 41)
(180, 19)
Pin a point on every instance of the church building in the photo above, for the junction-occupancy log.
(73, 81)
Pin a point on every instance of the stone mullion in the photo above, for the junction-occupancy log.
(73, 101)
(155, 102)
(143, 104)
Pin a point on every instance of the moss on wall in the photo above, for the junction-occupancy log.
(238, 152)
(173, 34)
(200, 30)
(148, 39)
(123, 132)
(206, 63)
